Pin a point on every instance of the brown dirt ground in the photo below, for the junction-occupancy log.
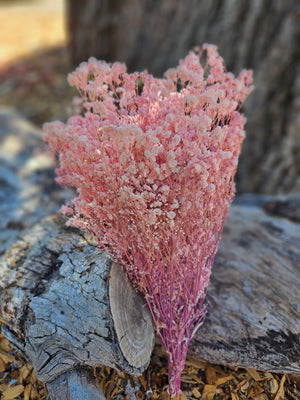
(34, 63)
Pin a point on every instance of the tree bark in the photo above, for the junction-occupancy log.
(262, 35)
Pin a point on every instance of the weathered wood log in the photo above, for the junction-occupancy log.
(65, 304)
(254, 295)
(253, 299)
(75, 385)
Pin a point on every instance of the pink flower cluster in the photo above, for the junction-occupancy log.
(153, 163)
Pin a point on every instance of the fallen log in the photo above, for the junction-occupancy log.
(55, 285)
(65, 305)
(254, 295)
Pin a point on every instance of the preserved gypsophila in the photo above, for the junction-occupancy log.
(153, 162)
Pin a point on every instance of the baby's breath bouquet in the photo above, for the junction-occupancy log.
(153, 163)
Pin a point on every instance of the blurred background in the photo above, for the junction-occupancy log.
(42, 40)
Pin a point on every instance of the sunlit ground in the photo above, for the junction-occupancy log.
(34, 59)
(29, 26)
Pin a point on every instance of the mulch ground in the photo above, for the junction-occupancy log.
(37, 86)
(200, 380)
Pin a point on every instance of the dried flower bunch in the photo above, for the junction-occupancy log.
(153, 163)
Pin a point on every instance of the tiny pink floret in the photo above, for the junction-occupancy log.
(153, 162)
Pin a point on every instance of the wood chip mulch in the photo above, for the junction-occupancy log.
(200, 380)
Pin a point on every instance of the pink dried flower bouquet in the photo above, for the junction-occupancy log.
(153, 162)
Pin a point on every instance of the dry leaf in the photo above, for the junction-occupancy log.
(4, 344)
(196, 393)
(195, 362)
(190, 370)
(3, 387)
(33, 378)
(114, 392)
(102, 385)
(280, 393)
(268, 375)
(142, 382)
(223, 379)
(187, 379)
(27, 392)
(6, 357)
(209, 392)
(243, 385)
(2, 365)
(254, 374)
(273, 386)
(24, 372)
(196, 378)
(155, 395)
(234, 396)
(261, 396)
(210, 374)
(164, 395)
(251, 391)
(12, 392)
(42, 392)
(183, 396)
(244, 388)
(139, 395)
(258, 389)
(34, 393)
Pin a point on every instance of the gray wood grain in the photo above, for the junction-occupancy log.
(54, 295)
(254, 295)
(75, 385)
(138, 321)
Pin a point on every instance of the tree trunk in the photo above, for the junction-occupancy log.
(262, 35)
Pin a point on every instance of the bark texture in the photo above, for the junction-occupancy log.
(55, 297)
(75, 385)
(253, 299)
(263, 35)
